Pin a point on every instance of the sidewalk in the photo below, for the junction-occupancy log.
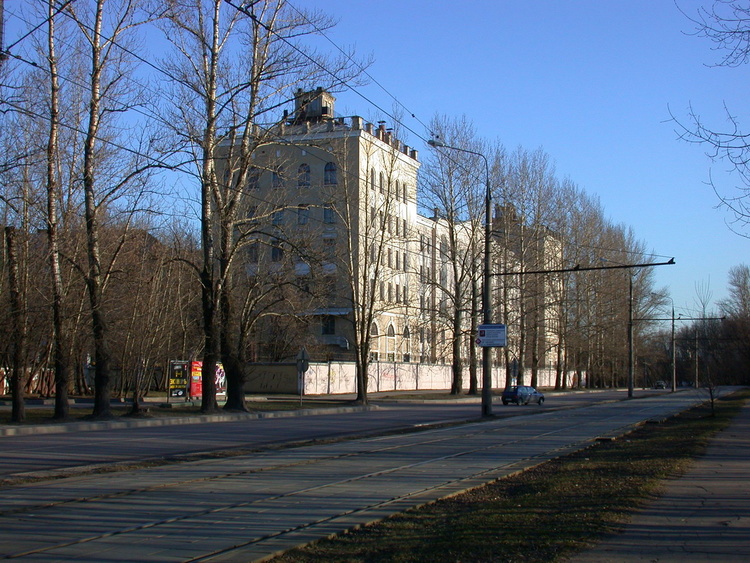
(701, 516)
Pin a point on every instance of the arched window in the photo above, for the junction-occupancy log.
(329, 174)
(372, 178)
(390, 343)
(374, 343)
(303, 176)
(382, 183)
(407, 343)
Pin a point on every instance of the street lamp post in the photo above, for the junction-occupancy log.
(631, 359)
(673, 364)
(487, 278)
(674, 353)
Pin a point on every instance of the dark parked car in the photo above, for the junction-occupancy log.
(522, 395)
(660, 385)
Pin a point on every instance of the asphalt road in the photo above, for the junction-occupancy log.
(248, 507)
(84, 444)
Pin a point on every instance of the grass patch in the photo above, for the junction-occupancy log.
(543, 514)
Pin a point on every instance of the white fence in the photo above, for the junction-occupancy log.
(335, 378)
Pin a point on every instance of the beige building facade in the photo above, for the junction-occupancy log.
(333, 204)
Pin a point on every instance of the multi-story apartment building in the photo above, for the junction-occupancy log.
(337, 228)
(338, 197)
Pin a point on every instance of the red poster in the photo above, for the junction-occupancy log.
(196, 380)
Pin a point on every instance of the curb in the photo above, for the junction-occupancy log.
(67, 427)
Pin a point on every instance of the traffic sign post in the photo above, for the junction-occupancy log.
(491, 336)
(303, 364)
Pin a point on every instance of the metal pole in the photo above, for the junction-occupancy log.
(487, 298)
(696, 356)
(630, 339)
(487, 275)
(674, 354)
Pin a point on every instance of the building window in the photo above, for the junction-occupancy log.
(372, 179)
(329, 324)
(329, 217)
(398, 293)
(390, 343)
(407, 344)
(277, 253)
(277, 218)
(303, 283)
(303, 176)
(252, 211)
(398, 191)
(375, 343)
(330, 286)
(382, 183)
(303, 215)
(252, 253)
(330, 176)
(329, 246)
(278, 177)
(253, 178)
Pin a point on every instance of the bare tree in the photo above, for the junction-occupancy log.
(60, 355)
(220, 100)
(726, 24)
(453, 186)
(528, 193)
(108, 175)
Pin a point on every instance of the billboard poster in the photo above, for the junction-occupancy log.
(178, 379)
(196, 380)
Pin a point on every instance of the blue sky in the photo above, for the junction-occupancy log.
(592, 83)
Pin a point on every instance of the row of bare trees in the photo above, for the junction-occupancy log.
(711, 345)
(99, 135)
(130, 136)
(573, 322)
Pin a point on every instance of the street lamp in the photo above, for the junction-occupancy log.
(631, 359)
(674, 349)
(487, 278)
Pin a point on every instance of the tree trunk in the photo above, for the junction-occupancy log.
(59, 350)
(18, 369)
(473, 382)
(457, 364)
